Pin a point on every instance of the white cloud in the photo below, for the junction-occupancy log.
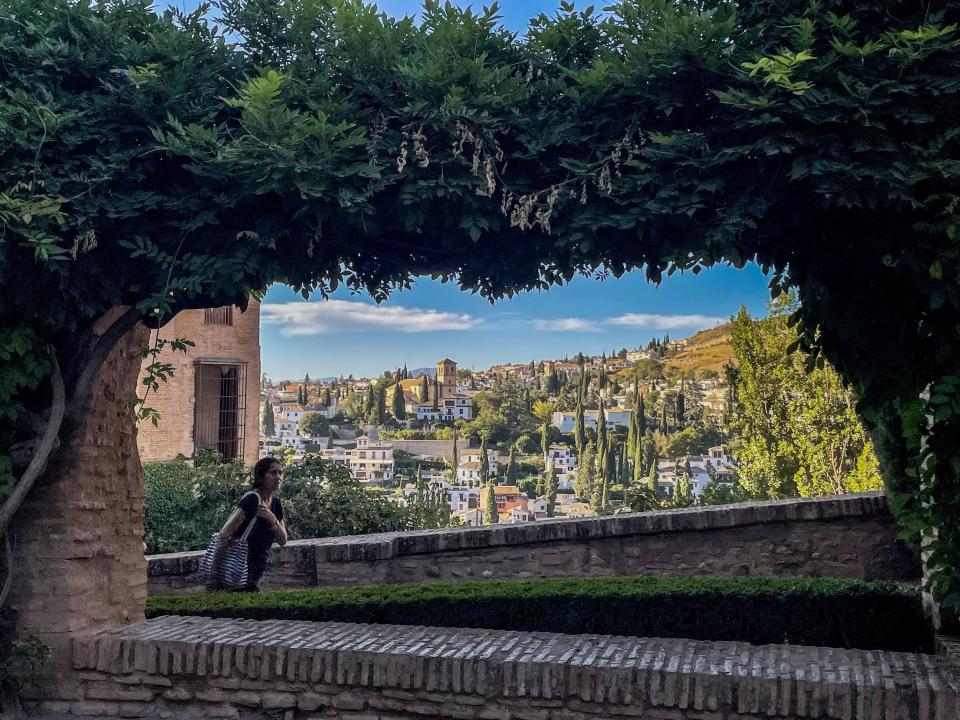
(566, 325)
(329, 316)
(667, 322)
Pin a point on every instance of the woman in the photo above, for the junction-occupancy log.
(268, 511)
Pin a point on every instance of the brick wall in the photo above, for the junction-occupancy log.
(178, 667)
(78, 537)
(850, 536)
(175, 398)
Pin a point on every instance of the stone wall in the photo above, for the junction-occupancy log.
(201, 668)
(431, 448)
(175, 399)
(849, 536)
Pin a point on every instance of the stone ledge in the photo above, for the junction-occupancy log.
(382, 546)
(299, 659)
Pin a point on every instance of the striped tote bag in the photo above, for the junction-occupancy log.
(226, 562)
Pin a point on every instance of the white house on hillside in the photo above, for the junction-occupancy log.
(566, 421)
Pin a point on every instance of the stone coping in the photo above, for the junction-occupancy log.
(724, 677)
(382, 546)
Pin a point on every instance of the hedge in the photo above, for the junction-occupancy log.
(802, 611)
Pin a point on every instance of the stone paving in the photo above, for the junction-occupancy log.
(186, 666)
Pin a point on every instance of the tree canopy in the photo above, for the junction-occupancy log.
(162, 162)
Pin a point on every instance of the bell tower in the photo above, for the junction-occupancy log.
(447, 378)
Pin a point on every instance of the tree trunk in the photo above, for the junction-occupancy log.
(79, 565)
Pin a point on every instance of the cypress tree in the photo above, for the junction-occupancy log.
(406, 373)
(327, 399)
(456, 455)
(399, 409)
(551, 495)
(436, 394)
(512, 468)
(663, 417)
(371, 404)
(490, 514)
(266, 420)
(545, 442)
(484, 464)
(641, 415)
(611, 460)
(579, 432)
(605, 496)
(382, 405)
(681, 406)
(638, 463)
(601, 428)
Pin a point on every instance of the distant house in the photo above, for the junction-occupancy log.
(566, 421)
(564, 462)
(368, 462)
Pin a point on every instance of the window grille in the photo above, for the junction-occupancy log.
(220, 408)
(218, 316)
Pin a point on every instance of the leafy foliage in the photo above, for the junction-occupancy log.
(314, 424)
(799, 432)
(805, 611)
(321, 500)
(160, 162)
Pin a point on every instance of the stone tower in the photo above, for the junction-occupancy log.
(212, 401)
(447, 378)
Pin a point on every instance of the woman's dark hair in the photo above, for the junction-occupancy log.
(261, 469)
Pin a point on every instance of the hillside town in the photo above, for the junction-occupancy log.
(571, 437)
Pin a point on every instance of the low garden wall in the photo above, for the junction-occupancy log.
(851, 536)
(177, 667)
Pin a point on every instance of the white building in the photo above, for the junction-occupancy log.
(716, 463)
(566, 421)
(468, 469)
(564, 462)
(456, 407)
(368, 462)
(460, 497)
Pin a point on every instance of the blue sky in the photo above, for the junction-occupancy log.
(418, 327)
(350, 334)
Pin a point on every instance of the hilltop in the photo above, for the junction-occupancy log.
(707, 350)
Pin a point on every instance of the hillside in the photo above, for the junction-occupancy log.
(707, 350)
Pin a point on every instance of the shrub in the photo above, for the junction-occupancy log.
(183, 506)
(807, 611)
(320, 499)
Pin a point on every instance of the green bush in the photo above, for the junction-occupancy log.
(320, 499)
(183, 506)
(803, 611)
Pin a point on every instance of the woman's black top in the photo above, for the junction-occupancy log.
(261, 537)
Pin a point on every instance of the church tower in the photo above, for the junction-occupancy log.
(447, 378)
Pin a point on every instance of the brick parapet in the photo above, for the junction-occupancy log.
(847, 536)
(201, 667)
